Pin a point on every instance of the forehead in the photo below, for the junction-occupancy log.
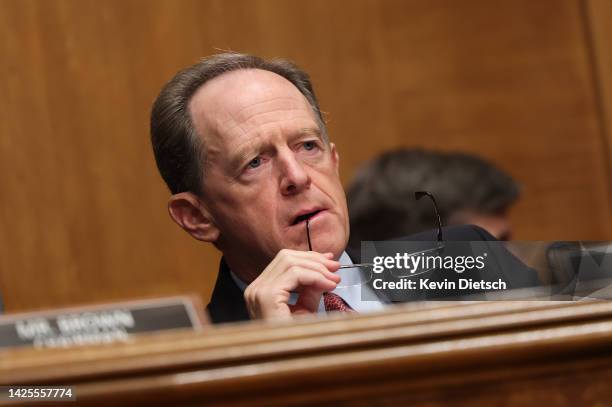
(245, 103)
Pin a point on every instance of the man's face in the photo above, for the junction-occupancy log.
(267, 168)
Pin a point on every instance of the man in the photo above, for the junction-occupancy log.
(468, 190)
(242, 145)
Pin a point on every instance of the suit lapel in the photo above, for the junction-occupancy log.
(227, 301)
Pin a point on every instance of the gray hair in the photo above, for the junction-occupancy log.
(179, 152)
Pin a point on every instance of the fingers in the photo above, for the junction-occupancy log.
(287, 256)
(308, 265)
(302, 278)
(290, 259)
(308, 300)
(309, 273)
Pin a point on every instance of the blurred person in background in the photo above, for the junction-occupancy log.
(467, 188)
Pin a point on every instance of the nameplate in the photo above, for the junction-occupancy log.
(107, 323)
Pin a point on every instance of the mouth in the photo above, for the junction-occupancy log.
(305, 216)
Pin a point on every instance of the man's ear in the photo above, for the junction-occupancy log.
(188, 211)
(335, 157)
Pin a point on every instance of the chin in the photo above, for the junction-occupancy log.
(335, 246)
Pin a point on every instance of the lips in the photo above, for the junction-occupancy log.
(304, 215)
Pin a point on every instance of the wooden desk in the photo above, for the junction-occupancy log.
(486, 353)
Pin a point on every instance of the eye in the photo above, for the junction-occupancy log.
(309, 145)
(254, 163)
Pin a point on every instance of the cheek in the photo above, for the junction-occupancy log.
(258, 208)
(339, 193)
(341, 202)
(264, 206)
(339, 198)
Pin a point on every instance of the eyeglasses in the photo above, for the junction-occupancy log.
(402, 273)
(420, 194)
(363, 273)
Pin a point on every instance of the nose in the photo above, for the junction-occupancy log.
(293, 175)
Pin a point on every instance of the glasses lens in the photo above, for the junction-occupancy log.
(354, 276)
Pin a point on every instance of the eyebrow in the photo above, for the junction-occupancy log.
(237, 159)
(242, 154)
(306, 131)
(311, 130)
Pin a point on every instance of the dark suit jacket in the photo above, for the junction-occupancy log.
(227, 302)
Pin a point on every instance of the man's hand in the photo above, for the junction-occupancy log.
(308, 273)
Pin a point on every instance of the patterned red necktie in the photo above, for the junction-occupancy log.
(333, 302)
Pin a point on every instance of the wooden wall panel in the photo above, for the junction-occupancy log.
(507, 80)
(599, 15)
(82, 214)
